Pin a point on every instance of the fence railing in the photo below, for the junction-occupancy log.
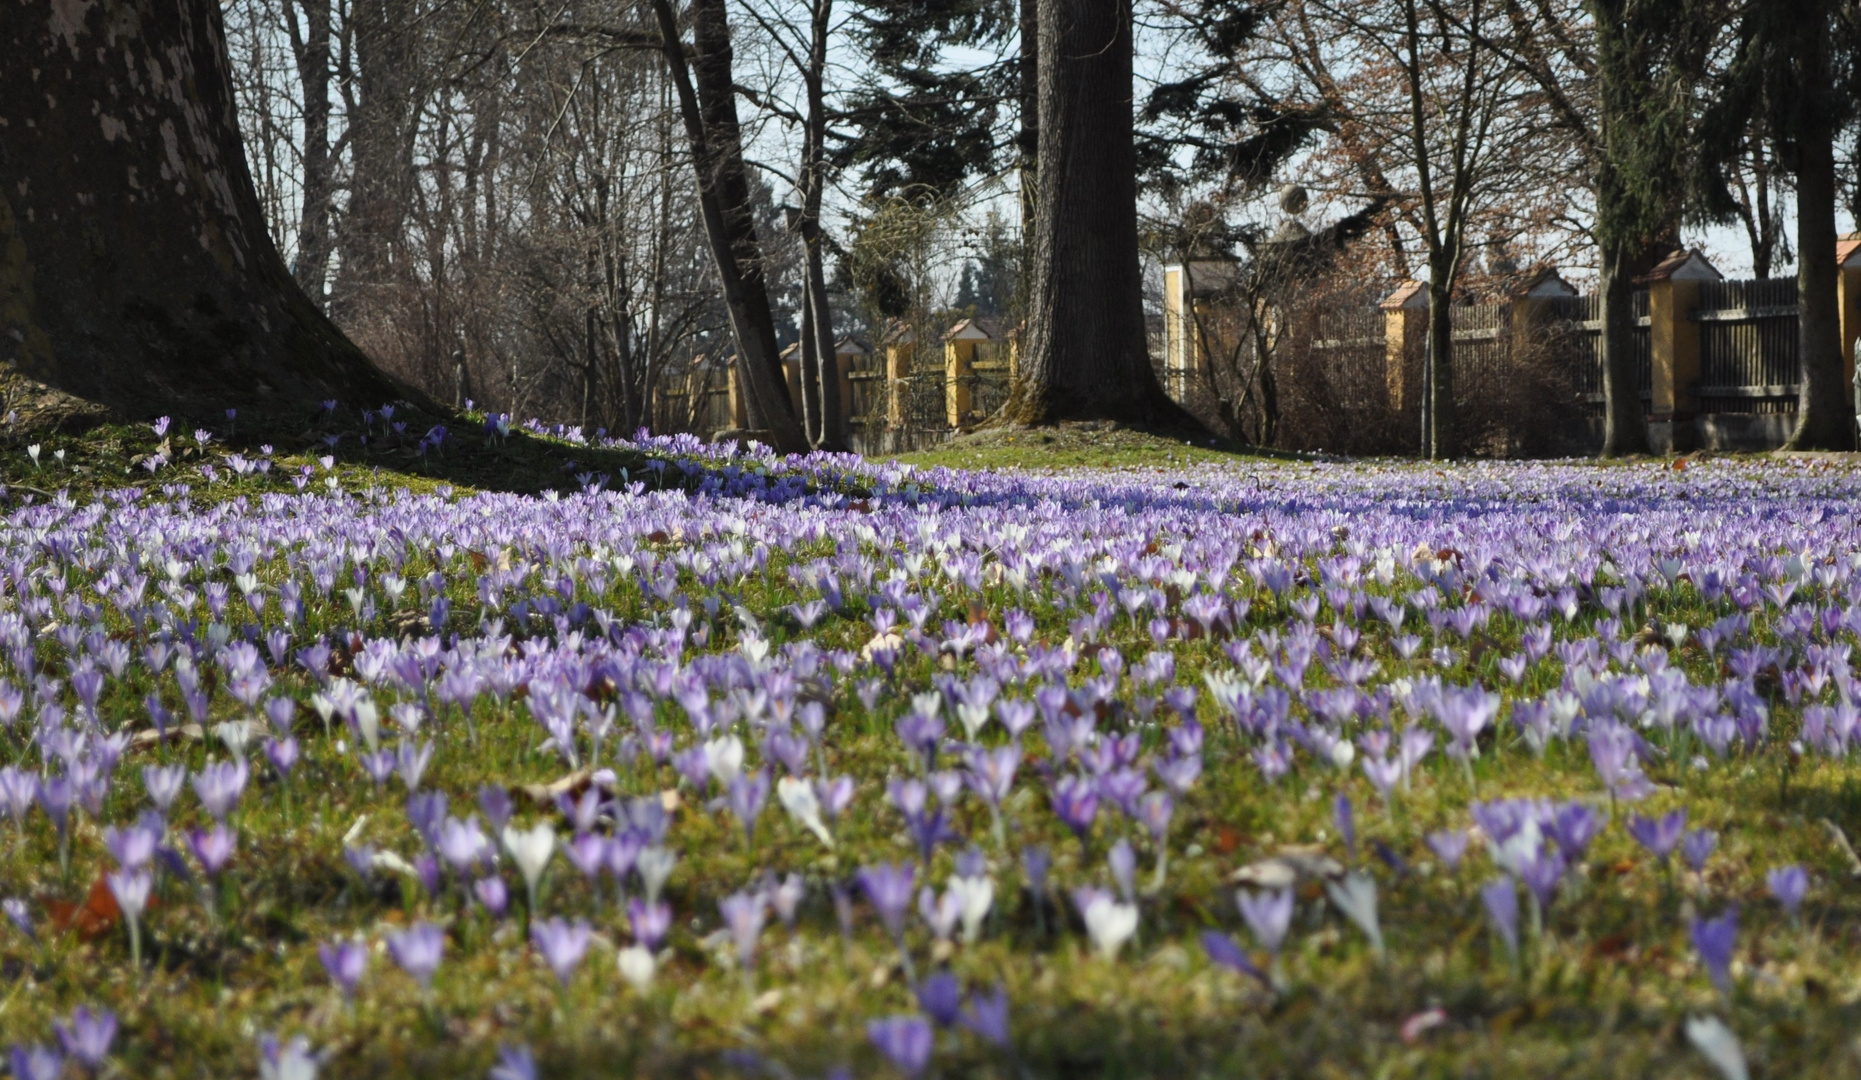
(1749, 359)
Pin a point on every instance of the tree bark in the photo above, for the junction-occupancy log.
(310, 46)
(378, 95)
(820, 369)
(1439, 434)
(708, 106)
(1088, 356)
(1625, 424)
(1825, 410)
(136, 272)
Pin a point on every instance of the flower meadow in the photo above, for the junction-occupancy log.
(816, 767)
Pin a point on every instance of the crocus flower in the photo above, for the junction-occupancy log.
(345, 962)
(889, 888)
(904, 1040)
(514, 1063)
(1789, 884)
(1659, 835)
(219, 786)
(1356, 898)
(650, 922)
(1501, 898)
(88, 1036)
(798, 798)
(418, 950)
(33, 1061)
(744, 914)
(746, 795)
(637, 966)
(987, 1016)
(1222, 950)
(531, 850)
(131, 889)
(493, 894)
(562, 944)
(286, 1061)
(1075, 802)
(1715, 939)
(213, 847)
(1449, 845)
(1268, 914)
(1108, 923)
(941, 998)
(1696, 847)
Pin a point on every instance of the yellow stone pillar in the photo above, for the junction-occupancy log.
(1848, 286)
(959, 360)
(739, 403)
(1404, 313)
(898, 356)
(1673, 340)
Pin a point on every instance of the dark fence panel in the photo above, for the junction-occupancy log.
(1748, 346)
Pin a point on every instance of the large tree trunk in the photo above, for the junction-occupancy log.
(378, 96)
(310, 45)
(1825, 411)
(708, 106)
(820, 368)
(1439, 442)
(135, 268)
(1625, 424)
(1087, 354)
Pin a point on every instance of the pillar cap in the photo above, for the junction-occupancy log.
(1848, 252)
(1684, 264)
(1409, 294)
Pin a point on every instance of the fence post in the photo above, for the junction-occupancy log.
(1402, 312)
(1848, 255)
(898, 350)
(959, 363)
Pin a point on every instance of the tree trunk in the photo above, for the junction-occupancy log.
(1825, 410)
(310, 45)
(820, 369)
(136, 272)
(1027, 140)
(378, 94)
(1088, 356)
(1625, 424)
(1438, 436)
(708, 106)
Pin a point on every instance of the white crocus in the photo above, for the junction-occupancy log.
(973, 718)
(1110, 924)
(724, 757)
(531, 850)
(1356, 898)
(368, 722)
(976, 895)
(1712, 1038)
(799, 800)
(655, 866)
(637, 966)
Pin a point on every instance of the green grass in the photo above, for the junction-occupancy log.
(1072, 446)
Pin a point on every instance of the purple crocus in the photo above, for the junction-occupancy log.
(1659, 835)
(1222, 950)
(88, 1036)
(1347, 823)
(650, 922)
(418, 950)
(1715, 939)
(345, 962)
(1076, 803)
(563, 944)
(747, 794)
(1696, 847)
(1789, 884)
(1268, 914)
(941, 998)
(889, 887)
(744, 914)
(904, 1040)
(213, 847)
(219, 786)
(1449, 845)
(988, 1016)
(492, 894)
(1501, 898)
(34, 1061)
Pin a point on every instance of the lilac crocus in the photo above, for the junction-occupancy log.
(514, 1063)
(941, 998)
(1715, 939)
(1696, 847)
(1659, 835)
(904, 1040)
(1076, 802)
(1789, 884)
(650, 922)
(418, 950)
(219, 786)
(747, 794)
(88, 1036)
(34, 1061)
(889, 887)
(131, 889)
(1268, 914)
(1346, 820)
(744, 914)
(1222, 950)
(213, 847)
(1123, 862)
(345, 962)
(987, 1016)
(1449, 845)
(1501, 898)
(562, 944)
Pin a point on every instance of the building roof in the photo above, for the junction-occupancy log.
(1848, 251)
(978, 328)
(1409, 294)
(1684, 264)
